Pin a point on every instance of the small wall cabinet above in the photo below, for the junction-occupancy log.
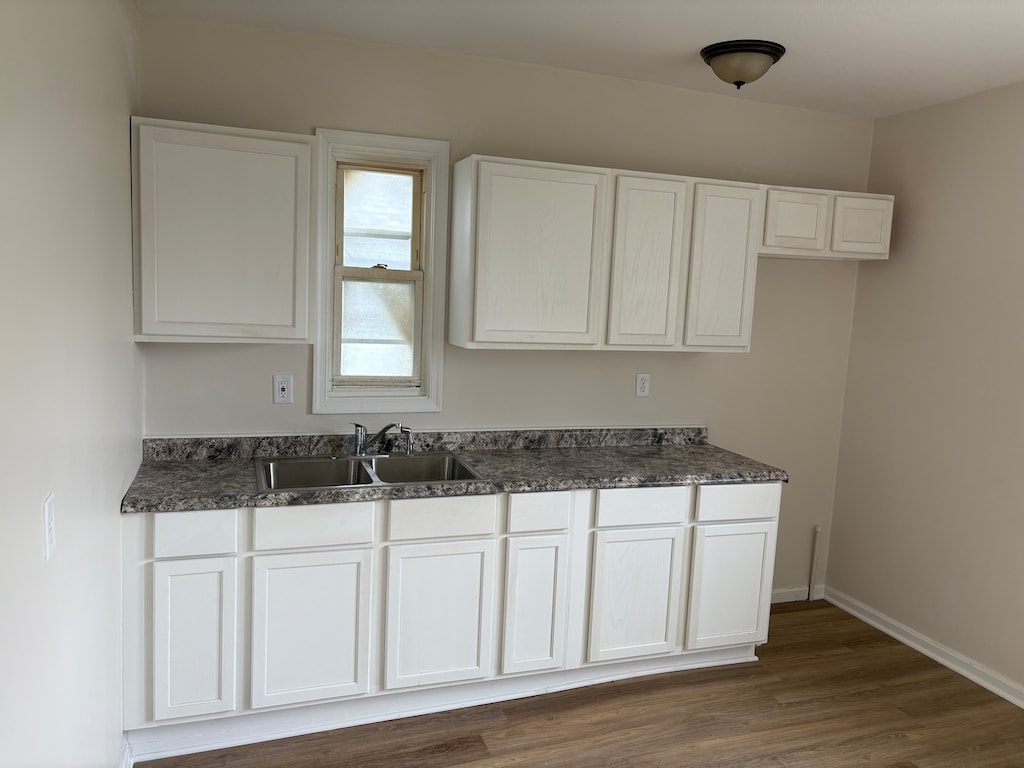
(823, 224)
(223, 233)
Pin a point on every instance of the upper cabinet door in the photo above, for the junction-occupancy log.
(723, 265)
(796, 219)
(648, 261)
(223, 239)
(541, 254)
(862, 225)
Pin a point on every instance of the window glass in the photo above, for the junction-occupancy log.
(378, 218)
(378, 329)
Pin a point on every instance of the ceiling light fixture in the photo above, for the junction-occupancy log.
(741, 61)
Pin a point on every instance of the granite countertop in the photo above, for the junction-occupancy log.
(218, 473)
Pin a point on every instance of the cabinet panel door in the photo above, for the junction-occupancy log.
(731, 585)
(311, 626)
(635, 592)
(541, 254)
(224, 232)
(440, 608)
(535, 595)
(194, 650)
(796, 220)
(723, 265)
(648, 260)
(862, 224)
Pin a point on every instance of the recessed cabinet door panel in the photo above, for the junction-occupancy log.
(535, 594)
(440, 604)
(311, 626)
(647, 261)
(862, 225)
(635, 593)
(731, 586)
(540, 254)
(194, 653)
(723, 266)
(796, 220)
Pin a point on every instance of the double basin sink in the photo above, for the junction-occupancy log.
(316, 472)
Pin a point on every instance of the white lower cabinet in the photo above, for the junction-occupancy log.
(194, 649)
(638, 573)
(439, 605)
(359, 605)
(731, 581)
(310, 626)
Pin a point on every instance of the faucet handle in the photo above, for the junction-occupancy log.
(360, 433)
(407, 432)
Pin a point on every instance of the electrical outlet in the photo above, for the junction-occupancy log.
(49, 525)
(283, 389)
(643, 385)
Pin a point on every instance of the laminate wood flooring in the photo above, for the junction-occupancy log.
(829, 692)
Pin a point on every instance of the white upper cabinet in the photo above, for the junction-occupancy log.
(823, 224)
(223, 233)
(529, 254)
(723, 265)
(649, 261)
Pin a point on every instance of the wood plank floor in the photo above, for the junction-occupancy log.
(829, 691)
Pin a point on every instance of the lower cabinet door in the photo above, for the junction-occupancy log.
(535, 594)
(194, 651)
(731, 585)
(311, 626)
(635, 593)
(440, 612)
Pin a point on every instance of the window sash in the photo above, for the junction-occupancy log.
(377, 275)
(417, 202)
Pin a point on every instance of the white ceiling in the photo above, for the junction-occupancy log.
(860, 57)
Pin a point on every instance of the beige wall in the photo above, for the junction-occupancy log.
(928, 523)
(781, 403)
(70, 393)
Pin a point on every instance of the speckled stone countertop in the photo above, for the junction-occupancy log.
(218, 473)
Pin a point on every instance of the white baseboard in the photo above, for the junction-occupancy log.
(789, 594)
(796, 594)
(984, 676)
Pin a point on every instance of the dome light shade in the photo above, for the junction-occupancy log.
(739, 62)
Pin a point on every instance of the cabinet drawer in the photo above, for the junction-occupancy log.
(539, 511)
(643, 506)
(749, 501)
(317, 525)
(442, 517)
(194, 533)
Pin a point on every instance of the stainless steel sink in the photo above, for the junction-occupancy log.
(426, 468)
(278, 474)
(291, 473)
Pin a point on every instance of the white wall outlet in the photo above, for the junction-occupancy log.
(49, 525)
(643, 385)
(283, 389)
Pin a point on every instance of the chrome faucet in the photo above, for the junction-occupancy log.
(364, 444)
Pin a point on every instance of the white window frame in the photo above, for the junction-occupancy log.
(432, 157)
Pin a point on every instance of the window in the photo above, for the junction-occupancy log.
(383, 243)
